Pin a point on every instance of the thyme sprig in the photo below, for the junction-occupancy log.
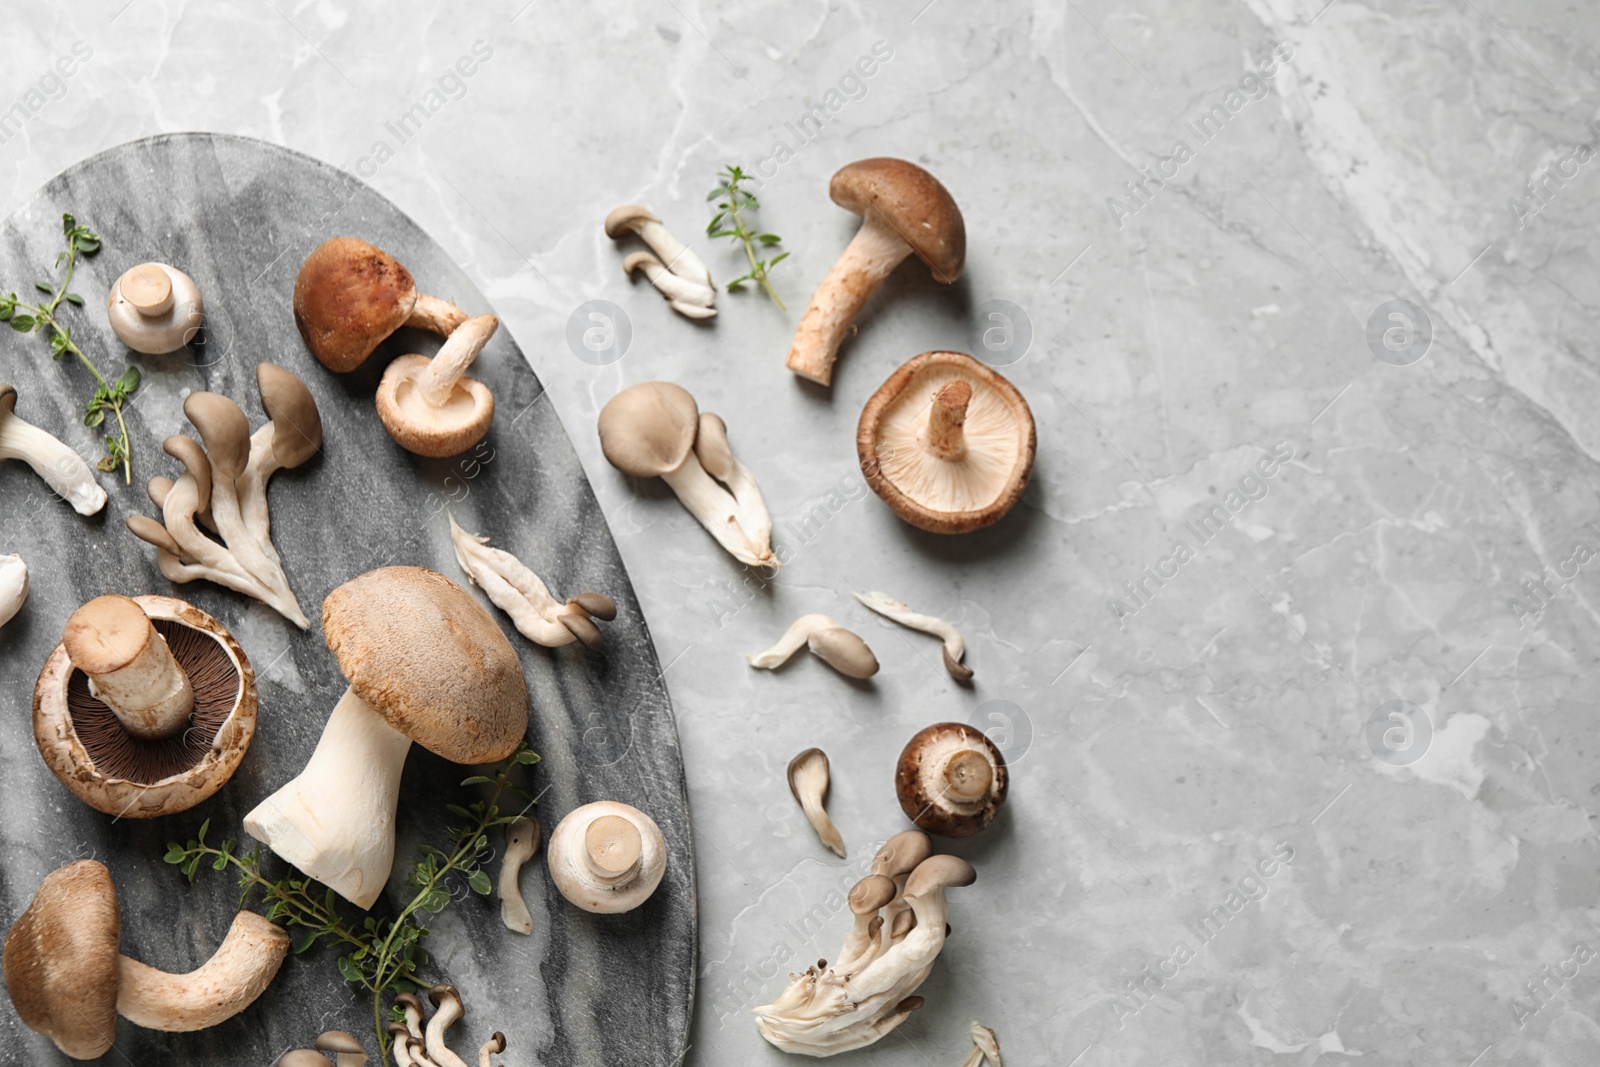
(734, 203)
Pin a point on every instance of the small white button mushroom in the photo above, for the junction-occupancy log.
(62, 469)
(830, 642)
(432, 407)
(607, 857)
(13, 587)
(809, 782)
(678, 257)
(155, 309)
(130, 666)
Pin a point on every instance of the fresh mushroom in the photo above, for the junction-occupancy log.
(678, 257)
(448, 1011)
(607, 857)
(808, 781)
(62, 469)
(521, 594)
(522, 841)
(425, 663)
(653, 430)
(687, 298)
(68, 981)
(347, 1051)
(350, 296)
(431, 407)
(985, 1046)
(903, 210)
(947, 443)
(13, 587)
(400, 1044)
(492, 1047)
(146, 706)
(867, 899)
(955, 649)
(951, 780)
(828, 641)
(303, 1057)
(290, 437)
(411, 1005)
(155, 309)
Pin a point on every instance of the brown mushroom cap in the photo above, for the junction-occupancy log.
(940, 785)
(647, 430)
(428, 658)
(224, 430)
(619, 223)
(871, 893)
(296, 423)
(901, 853)
(61, 960)
(187, 450)
(940, 872)
(348, 297)
(947, 495)
(914, 203)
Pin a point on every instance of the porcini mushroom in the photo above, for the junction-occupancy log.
(947, 443)
(654, 430)
(68, 981)
(955, 649)
(687, 298)
(146, 706)
(13, 587)
(155, 308)
(347, 1051)
(431, 407)
(350, 296)
(808, 781)
(678, 257)
(903, 210)
(62, 469)
(830, 642)
(607, 857)
(522, 841)
(522, 594)
(951, 779)
(425, 663)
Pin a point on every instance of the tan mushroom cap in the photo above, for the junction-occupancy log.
(966, 491)
(647, 430)
(619, 223)
(296, 422)
(348, 297)
(61, 960)
(940, 872)
(951, 780)
(224, 430)
(914, 203)
(428, 658)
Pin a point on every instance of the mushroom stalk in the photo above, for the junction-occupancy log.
(218, 989)
(522, 841)
(62, 469)
(955, 649)
(150, 694)
(688, 298)
(448, 1011)
(870, 257)
(809, 782)
(458, 353)
(522, 594)
(715, 453)
(435, 315)
(946, 420)
(13, 587)
(718, 511)
(830, 642)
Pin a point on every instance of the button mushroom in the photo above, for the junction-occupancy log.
(425, 663)
(955, 649)
(155, 308)
(903, 210)
(522, 841)
(62, 469)
(146, 706)
(951, 780)
(947, 443)
(521, 594)
(655, 430)
(68, 981)
(607, 857)
(808, 781)
(13, 587)
(678, 257)
(828, 641)
(431, 407)
(350, 296)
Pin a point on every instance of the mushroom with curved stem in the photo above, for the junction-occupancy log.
(290, 437)
(830, 642)
(607, 857)
(985, 1046)
(522, 841)
(448, 1011)
(400, 1044)
(687, 298)
(951, 779)
(154, 308)
(866, 899)
(903, 209)
(955, 649)
(411, 1004)
(13, 587)
(225, 434)
(678, 257)
(715, 453)
(347, 1051)
(431, 407)
(492, 1047)
(62, 469)
(808, 781)
(522, 594)
(68, 981)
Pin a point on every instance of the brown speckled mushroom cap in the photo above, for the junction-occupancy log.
(914, 203)
(951, 780)
(61, 960)
(428, 658)
(348, 297)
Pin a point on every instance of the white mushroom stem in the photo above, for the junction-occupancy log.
(335, 820)
(13, 587)
(252, 490)
(679, 257)
(514, 589)
(985, 1046)
(448, 1011)
(522, 841)
(830, 642)
(492, 1047)
(401, 1046)
(870, 257)
(718, 511)
(244, 543)
(686, 297)
(459, 351)
(435, 315)
(63, 470)
(955, 649)
(217, 990)
(712, 448)
(151, 695)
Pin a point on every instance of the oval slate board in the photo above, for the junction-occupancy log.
(239, 216)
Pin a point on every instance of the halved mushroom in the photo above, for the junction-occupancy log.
(350, 296)
(903, 210)
(947, 443)
(13, 587)
(955, 649)
(155, 308)
(146, 706)
(68, 981)
(431, 407)
(830, 642)
(607, 857)
(655, 430)
(522, 594)
(62, 469)
(808, 781)
(522, 841)
(687, 298)
(425, 663)
(678, 257)
(951, 779)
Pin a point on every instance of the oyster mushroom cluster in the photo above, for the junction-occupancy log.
(224, 489)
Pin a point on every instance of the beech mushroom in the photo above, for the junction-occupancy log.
(607, 857)
(448, 1011)
(411, 1005)
(828, 641)
(903, 210)
(492, 1047)
(955, 649)
(654, 430)
(951, 780)
(687, 298)
(68, 981)
(146, 706)
(522, 841)
(947, 443)
(521, 594)
(431, 407)
(425, 663)
(62, 469)
(678, 257)
(155, 309)
(13, 587)
(808, 781)
(350, 296)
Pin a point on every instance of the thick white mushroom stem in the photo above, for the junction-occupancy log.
(438, 382)
(150, 694)
(448, 1011)
(946, 420)
(222, 987)
(687, 297)
(13, 586)
(522, 841)
(955, 649)
(870, 257)
(718, 512)
(435, 315)
(715, 453)
(612, 849)
(335, 820)
(62, 469)
(679, 257)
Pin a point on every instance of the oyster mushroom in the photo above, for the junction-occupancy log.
(62, 469)
(903, 210)
(808, 781)
(951, 780)
(947, 443)
(13, 587)
(68, 981)
(290, 437)
(521, 594)
(828, 641)
(347, 1051)
(687, 298)
(955, 649)
(431, 407)
(607, 857)
(522, 841)
(155, 309)
(678, 257)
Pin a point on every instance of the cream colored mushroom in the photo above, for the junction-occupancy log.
(808, 781)
(492, 1047)
(431, 407)
(955, 649)
(62, 469)
(522, 594)
(155, 309)
(522, 841)
(607, 857)
(13, 587)
(678, 257)
(830, 642)
(448, 1011)
(985, 1046)
(687, 298)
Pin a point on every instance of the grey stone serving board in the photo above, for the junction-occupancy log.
(239, 216)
